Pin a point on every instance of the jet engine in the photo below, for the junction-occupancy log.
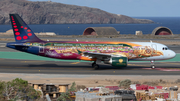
(117, 61)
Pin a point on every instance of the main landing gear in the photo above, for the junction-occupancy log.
(152, 64)
(95, 66)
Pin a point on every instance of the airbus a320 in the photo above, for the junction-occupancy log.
(114, 53)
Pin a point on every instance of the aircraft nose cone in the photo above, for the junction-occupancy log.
(173, 54)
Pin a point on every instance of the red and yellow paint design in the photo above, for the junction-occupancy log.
(74, 50)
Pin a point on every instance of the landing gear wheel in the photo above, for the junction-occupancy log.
(153, 67)
(93, 64)
(152, 64)
(96, 67)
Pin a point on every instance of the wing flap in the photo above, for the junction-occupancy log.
(101, 56)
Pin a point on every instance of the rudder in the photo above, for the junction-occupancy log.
(22, 32)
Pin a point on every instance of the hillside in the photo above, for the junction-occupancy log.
(58, 13)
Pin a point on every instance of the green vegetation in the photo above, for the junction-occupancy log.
(80, 87)
(125, 83)
(66, 95)
(17, 89)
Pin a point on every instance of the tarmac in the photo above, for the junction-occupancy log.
(60, 67)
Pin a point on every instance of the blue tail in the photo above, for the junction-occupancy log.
(22, 32)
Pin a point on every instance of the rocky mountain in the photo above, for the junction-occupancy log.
(58, 13)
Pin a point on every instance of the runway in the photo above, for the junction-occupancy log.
(61, 67)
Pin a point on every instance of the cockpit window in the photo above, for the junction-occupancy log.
(165, 48)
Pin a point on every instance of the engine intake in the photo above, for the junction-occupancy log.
(119, 61)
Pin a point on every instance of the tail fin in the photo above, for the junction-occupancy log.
(22, 32)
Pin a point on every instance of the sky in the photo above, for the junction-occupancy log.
(132, 8)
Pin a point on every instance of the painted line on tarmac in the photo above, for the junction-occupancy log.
(42, 68)
(137, 65)
(171, 63)
(164, 69)
(168, 70)
(75, 62)
(31, 61)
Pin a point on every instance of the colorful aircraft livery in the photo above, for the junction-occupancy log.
(115, 53)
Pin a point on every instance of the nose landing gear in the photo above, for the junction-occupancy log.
(152, 64)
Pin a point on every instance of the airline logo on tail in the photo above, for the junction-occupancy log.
(22, 32)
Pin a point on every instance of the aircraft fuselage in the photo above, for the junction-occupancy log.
(74, 50)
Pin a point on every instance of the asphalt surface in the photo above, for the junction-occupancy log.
(60, 67)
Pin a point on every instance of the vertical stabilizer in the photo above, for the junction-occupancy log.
(22, 32)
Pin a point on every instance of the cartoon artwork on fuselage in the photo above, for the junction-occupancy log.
(123, 49)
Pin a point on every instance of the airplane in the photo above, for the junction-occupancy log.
(114, 53)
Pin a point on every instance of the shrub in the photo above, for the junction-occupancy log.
(125, 83)
(81, 87)
(17, 89)
(66, 95)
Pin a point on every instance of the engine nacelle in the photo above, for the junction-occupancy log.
(119, 61)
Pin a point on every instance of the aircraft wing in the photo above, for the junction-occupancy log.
(101, 56)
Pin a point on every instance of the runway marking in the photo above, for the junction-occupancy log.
(171, 63)
(75, 62)
(21, 67)
(137, 65)
(164, 69)
(42, 68)
(31, 61)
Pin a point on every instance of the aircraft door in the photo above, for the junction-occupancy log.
(154, 48)
(41, 48)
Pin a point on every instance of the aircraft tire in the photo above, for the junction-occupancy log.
(153, 67)
(93, 64)
(96, 66)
